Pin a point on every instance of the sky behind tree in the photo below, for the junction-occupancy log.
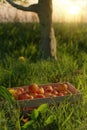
(70, 10)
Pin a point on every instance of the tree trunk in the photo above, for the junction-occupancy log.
(48, 40)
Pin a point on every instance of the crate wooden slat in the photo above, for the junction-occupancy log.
(52, 100)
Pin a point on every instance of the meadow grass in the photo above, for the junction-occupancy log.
(16, 40)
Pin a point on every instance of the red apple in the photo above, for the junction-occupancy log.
(24, 96)
(40, 90)
(64, 92)
(40, 96)
(48, 88)
(34, 94)
(26, 89)
(60, 94)
(21, 97)
(33, 88)
(54, 92)
(20, 90)
(48, 94)
(61, 87)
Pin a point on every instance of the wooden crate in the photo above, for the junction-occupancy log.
(34, 103)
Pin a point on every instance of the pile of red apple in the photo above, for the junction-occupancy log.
(34, 91)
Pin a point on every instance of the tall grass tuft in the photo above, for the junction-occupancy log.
(9, 111)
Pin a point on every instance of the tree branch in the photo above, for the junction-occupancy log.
(31, 8)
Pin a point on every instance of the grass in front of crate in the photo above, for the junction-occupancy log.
(9, 111)
(9, 117)
(64, 116)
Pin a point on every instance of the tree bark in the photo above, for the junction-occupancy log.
(48, 40)
(44, 11)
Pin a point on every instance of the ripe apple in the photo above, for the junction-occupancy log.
(22, 58)
(60, 94)
(54, 92)
(48, 94)
(24, 96)
(61, 87)
(26, 89)
(40, 90)
(33, 88)
(48, 88)
(20, 90)
(64, 92)
(21, 97)
(34, 94)
(40, 96)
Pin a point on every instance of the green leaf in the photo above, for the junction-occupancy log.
(34, 114)
(27, 124)
(43, 108)
(50, 120)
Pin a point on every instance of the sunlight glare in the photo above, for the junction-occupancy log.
(74, 10)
